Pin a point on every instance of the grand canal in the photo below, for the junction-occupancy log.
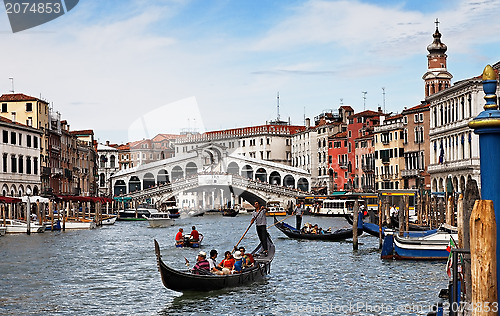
(112, 271)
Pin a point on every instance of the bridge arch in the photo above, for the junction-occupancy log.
(247, 172)
(191, 169)
(134, 184)
(275, 178)
(162, 176)
(120, 187)
(177, 173)
(148, 181)
(261, 175)
(289, 181)
(303, 184)
(233, 168)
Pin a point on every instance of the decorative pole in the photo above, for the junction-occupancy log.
(487, 126)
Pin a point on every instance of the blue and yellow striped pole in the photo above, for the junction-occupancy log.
(487, 126)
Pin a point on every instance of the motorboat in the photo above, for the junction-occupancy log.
(159, 219)
(15, 226)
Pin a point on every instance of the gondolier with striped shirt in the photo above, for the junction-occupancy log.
(259, 217)
(299, 211)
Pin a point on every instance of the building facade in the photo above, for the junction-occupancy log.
(20, 154)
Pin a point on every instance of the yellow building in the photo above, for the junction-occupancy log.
(33, 112)
(389, 153)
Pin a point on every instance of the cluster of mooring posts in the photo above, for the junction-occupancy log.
(54, 213)
(473, 288)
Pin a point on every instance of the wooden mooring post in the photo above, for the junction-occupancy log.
(355, 212)
(483, 243)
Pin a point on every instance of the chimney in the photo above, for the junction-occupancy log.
(13, 117)
(308, 123)
(107, 143)
(380, 109)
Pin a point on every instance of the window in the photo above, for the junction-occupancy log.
(349, 134)
(5, 137)
(13, 138)
(35, 142)
(35, 165)
(4, 162)
(21, 164)
(28, 165)
(421, 117)
(405, 120)
(13, 164)
(4, 107)
(416, 118)
(20, 139)
(29, 107)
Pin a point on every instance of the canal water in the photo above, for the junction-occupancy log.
(112, 271)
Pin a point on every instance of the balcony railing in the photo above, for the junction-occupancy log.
(410, 173)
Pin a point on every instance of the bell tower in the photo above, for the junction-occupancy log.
(437, 77)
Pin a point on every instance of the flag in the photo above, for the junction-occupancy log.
(441, 154)
(451, 244)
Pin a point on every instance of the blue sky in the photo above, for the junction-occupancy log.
(131, 68)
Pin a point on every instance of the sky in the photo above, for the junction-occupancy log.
(130, 69)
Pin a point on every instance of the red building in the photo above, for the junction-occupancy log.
(345, 166)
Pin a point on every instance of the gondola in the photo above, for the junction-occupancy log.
(184, 281)
(292, 232)
(230, 212)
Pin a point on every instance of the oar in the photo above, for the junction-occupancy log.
(234, 249)
(281, 221)
(187, 262)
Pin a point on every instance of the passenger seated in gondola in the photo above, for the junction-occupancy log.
(248, 259)
(213, 265)
(227, 263)
(314, 230)
(238, 263)
(329, 230)
(306, 229)
(202, 266)
(194, 237)
(179, 238)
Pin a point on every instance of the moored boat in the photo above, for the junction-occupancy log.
(78, 223)
(292, 232)
(108, 219)
(183, 281)
(230, 212)
(431, 245)
(132, 214)
(15, 226)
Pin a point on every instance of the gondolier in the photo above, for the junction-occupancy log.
(259, 217)
(299, 211)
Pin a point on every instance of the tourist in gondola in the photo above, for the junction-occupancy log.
(227, 263)
(238, 263)
(248, 259)
(194, 237)
(213, 264)
(202, 266)
(179, 238)
(259, 217)
(299, 210)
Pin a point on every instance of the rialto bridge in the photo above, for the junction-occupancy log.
(216, 177)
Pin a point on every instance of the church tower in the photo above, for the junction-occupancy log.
(437, 77)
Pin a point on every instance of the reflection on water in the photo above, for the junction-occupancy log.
(112, 271)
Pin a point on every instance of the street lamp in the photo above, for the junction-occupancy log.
(28, 212)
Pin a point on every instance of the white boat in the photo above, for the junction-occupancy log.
(79, 224)
(108, 219)
(159, 219)
(14, 226)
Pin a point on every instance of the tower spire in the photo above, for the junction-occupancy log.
(437, 77)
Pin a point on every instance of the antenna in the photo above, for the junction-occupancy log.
(383, 93)
(341, 101)
(12, 83)
(364, 99)
(278, 100)
(304, 116)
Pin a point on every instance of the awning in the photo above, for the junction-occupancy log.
(6, 199)
(35, 198)
(122, 198)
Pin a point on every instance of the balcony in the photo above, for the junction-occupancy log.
(410, 173)
(343, 165)
(368, 167)
(447, 166)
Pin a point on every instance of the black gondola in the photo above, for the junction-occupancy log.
(182, 281)
(337, 235)
(230, 212)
